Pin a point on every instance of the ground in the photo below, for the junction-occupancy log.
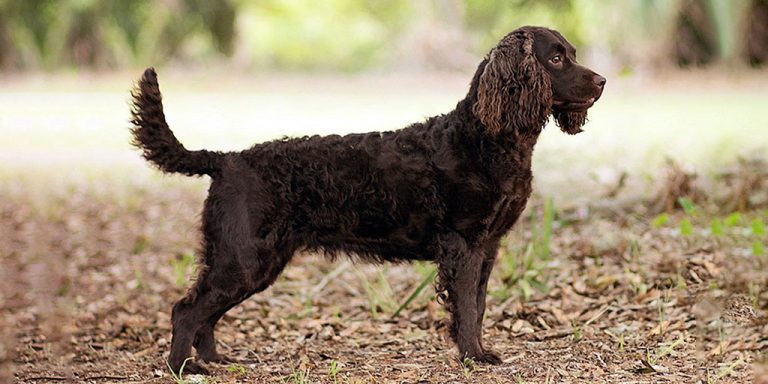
(620, 295)
(624, 268)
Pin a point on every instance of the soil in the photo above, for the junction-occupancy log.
(92, 266)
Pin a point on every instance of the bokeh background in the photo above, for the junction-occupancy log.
(300, 35)
(663, 196)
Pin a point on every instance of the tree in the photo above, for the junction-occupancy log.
(756, 31)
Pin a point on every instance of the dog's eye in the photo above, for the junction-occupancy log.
(556, 60)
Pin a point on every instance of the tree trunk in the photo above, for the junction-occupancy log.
(756, 39)
(695, 34)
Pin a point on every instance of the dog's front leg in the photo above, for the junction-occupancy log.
(459, 275)
(490, 251)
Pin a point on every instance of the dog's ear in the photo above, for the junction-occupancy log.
(514, 91)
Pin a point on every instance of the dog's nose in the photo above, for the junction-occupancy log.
(599, 80)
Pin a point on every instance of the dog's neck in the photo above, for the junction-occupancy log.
(519, 140)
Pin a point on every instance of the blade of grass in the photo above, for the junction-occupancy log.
(178, 378)
(758, 249)
(686, 228)
(758, 227)
(717, 227)
(660, 220)
(687, 205)
(732, 220)
(667, 350)
(546, 229)
(416, 292)
(729, 369)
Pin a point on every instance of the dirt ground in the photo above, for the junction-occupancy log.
(91, 267)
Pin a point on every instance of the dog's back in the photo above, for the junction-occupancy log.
(374, 195)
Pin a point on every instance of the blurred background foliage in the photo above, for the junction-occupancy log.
(353, 35)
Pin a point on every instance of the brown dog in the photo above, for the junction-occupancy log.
(444, 190)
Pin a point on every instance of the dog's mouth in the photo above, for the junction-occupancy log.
(573, 106)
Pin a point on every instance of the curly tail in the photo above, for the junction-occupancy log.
(156, 141)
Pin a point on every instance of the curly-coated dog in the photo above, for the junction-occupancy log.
(445, 190)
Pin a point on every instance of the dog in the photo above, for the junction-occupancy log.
(443, 190)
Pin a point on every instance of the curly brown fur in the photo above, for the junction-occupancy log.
(156, 141)
(445, 190)
(570, 122)
(514, 92)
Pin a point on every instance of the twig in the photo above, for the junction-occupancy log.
(327, 278)
(541, 336)
(728, 370)
(105, 377)
(597, 315)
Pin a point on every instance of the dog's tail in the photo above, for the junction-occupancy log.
(156, 141)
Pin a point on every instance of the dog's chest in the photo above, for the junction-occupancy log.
(514, 188)
(506, 212)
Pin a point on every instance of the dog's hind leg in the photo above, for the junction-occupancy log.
(189, 314)
(222, 281)
(204, 341)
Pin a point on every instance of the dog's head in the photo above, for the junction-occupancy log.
(529, 75)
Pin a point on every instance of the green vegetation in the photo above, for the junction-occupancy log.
(178, 377)
(379, 292)
(523, 267)
(237, 369)
(716, 227)
(576, 332)
(725, 371)
(652, 358)
(350, 35)
(731, 226)
(49, 33)
(758, 227)
(298, 376)
(758, 249)
(182, 266)
(305, 35)
(333, 371)
(467, 366)
(660, 220)
(381, 297)
(428, 279)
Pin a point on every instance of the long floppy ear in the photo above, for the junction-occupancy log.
(514, 92)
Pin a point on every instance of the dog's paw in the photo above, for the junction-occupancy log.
(216, 358)
(489, 357)
(195, 368)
